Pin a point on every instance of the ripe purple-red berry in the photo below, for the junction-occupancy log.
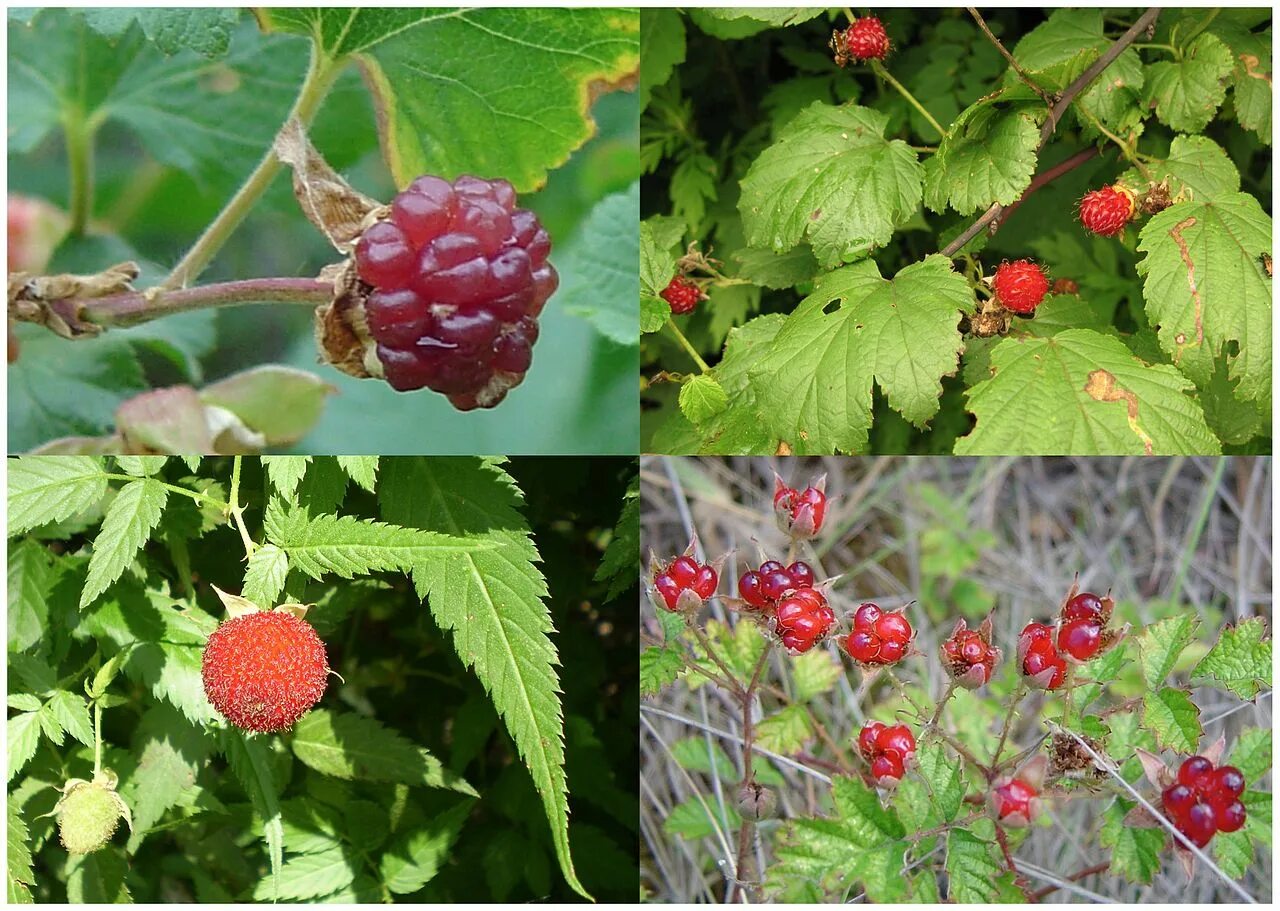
(1106, 211)
(460, 276)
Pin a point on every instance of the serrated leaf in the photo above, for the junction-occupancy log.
(52, 488)
(657, 267)
(618, 565)
(813, 385)
(776, 270)
(786, 731)
(127, 526)
(265, 575)
(662, 48)
(1196, 167)
(988, 156)
(1240, 660)
(171, 753)
(418, 853)
(599, 265)
(1135, 852)
(834, 180)
(72, 714)
(699, 818)
(441, 99)
(490, 596)
(814, 673)
(23, 736)
(250, 762)
(305, 876)
(1159, 646)
(971, 869)
(1205, 288)
(29, 577)
(1187, 92)
(660, 666)
(701, 398)
(1082, 393)
(286, 472)
(352, 747)
(20, 875)
(361, 469)
(1173, 718)
(205, 31)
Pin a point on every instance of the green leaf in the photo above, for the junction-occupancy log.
(814, 673)
(987, 156)
(128, 524)
(72, 714)
(205, 31)
(786, 731)
(20, 875)
(1187, 92)
(361, 469)
(97, 878)
(52, 488)
(1206, 289)
(971, 870)
(798, 189)
(286, 472)
(618, 565)
(281, 403)
(353, 747)
(1196, 167)
(599, 265)
(777, 270)
(490, 595)
(307, 876)
(1082, 393)
(660, 666)
(814, 384)
(657, 267)
(265, 575)
(172, 751)
(1173, 718)
(441, 100)
(1135, 852)
(420, 850)
(701, 398)
(23, 734)
(1160, 644)
(778, 17)
(251, 764)
(662, 48)
(693, 819)
(1240, 660)
(30, 576)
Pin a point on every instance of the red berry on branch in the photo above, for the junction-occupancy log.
(1080, 639)
(1200, 825)
(803, 619)
(1020, 286)
(862, 646)
(867, 738)
(683, 295)
(1229, 779)
(682, 584)
(1195, 772)
(1084, 606)
(1015, 802)
(1106, 211)
(866, 39)
(801, 574)
(668, 588)
(1229, 817)
(800, 514)
(684, 570)
(899, 738)
(750, 590)
(865, 617)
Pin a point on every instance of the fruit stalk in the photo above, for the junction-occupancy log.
(878, 68)
(79, 140)
(689, 349)
(235, 509)
(746, 835)
(321, 74)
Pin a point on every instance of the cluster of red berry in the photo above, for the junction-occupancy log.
(685, 574)
(889, 749)
(682, 295)
(969, 656)
(763, 588)
(1080, 635)
(878, 637)
(1203, 800)
(803, 619)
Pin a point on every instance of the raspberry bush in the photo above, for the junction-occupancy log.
(915, 717)
(277, 680)
(452, 234)
(1019, 231)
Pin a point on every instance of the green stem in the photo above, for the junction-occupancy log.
(80, 160)
(1008, 723)
(1200, 27)
(236, 509)
(1210, 494)
(319, 79)
(174, 488)
(878, 68)
(97, 738)
(684, 343)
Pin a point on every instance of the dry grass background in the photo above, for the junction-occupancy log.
(1163, 535)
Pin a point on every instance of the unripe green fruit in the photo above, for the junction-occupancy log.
(87, 817)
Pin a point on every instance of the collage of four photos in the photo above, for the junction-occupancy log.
(639, 456)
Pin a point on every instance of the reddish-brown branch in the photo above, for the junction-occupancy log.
(1075, 877)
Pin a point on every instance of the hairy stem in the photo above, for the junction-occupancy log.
(1075, 877)
(698, 634)
(97, 737)
(746, 835)
(319, 79)
(878, 68)
(79, 138)
(174, 488)
(1018, 696)
(689, 349)
(236, 509)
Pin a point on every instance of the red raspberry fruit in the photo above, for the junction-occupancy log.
(683, 295)
(898, 739)
(866, 39)
(803, 619)
(878, 638)
(867, 738)
(762, 588)
(1200, 825)
(1040, 660)
(1228, 779)
(887, 766)
(684, 574)
(264, 670)
(1196, 772)
(1107, 211)
(1020, 286)
(888, 749)
(1015, 802)
(1080, 638)
(1205, 800)
(1228, 817)
(460, 276)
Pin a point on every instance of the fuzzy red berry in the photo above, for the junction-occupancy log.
(1020, 286)
(682, 294)
(800, 513)
(264, 670)
(1106, 211)
(803, 619)
(889, 749)
(459, 276)
(1080, 638)
(866, 39)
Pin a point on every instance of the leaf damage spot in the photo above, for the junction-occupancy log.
(815, 215)
(1176, 233)
(1101, 386)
